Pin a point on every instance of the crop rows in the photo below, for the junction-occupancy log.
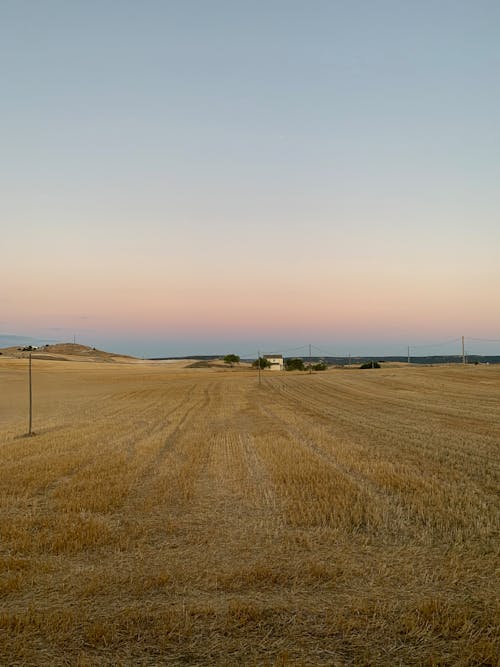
(170, 516)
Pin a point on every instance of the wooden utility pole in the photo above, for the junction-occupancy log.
(408, 354)
(349, 358)
(463, 350)
(258, 365)
(30, 431)
(310, 359)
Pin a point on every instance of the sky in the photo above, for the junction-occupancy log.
(211, 176)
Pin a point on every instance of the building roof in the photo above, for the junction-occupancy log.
(273, 356)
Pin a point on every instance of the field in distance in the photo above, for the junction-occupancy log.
(173, 515)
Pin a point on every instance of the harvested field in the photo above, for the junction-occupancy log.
(167, 515)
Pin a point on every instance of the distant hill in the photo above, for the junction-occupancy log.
(64, 352)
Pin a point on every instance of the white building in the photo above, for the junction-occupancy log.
(276, 361)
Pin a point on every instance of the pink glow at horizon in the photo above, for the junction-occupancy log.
(361, 305)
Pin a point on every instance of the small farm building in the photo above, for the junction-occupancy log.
(276, 361)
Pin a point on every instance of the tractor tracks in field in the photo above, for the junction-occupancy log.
(233, 485)
(395, 489)
(400, 428)
(149, 472)
(391, 504)
(90, 460)
(172, 437)
(125, 441)
(270, 505)
(416, 416)
(308, 443)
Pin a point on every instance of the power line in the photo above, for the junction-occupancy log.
(444, 342)
(399, 352)
(485, 340)
(328, 354)
(306, 350)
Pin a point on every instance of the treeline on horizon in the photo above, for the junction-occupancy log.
(346, 361)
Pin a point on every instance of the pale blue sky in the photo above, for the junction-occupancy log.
(147, 148)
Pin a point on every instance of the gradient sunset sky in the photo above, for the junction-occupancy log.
(183, 177)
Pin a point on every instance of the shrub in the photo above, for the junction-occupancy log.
(295, 365)
(264, 363)
(370, 364)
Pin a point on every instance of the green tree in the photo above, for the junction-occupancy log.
(295, 365)
(231, 359)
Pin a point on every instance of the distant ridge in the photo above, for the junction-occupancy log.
(345, 361)
(429, 360)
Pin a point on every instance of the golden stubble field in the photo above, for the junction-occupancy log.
(189, 516)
